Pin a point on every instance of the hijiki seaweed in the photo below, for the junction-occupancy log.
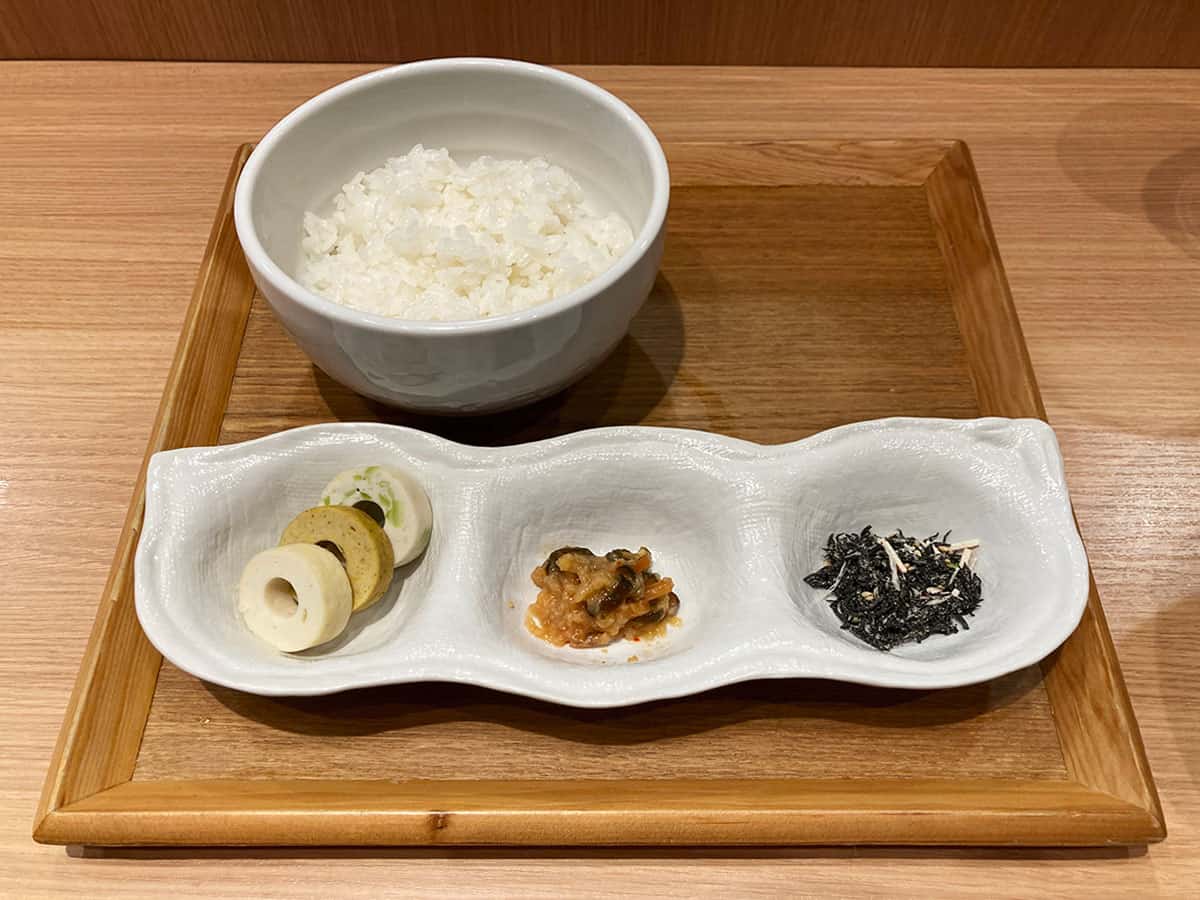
(898, 589)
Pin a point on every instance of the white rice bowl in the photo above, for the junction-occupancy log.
(423, 237)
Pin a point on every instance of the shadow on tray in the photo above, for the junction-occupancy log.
(376, 710)
(623, 390)
(624, 854)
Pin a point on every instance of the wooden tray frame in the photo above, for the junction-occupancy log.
(1108, 797)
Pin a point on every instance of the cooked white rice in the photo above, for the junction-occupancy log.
(425, 238)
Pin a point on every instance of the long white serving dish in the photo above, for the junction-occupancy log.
(737, 526)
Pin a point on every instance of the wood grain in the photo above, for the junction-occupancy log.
(671, 32)
(824, 259)
(880, 163)
(756, 731)
(1090, 180)
(1101, 742)
(103, 729)
(794, 255)
(660, 813)
(997, 357)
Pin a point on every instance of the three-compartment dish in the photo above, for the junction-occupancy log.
(736, 526)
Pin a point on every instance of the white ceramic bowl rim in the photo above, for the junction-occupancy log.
(262, 261)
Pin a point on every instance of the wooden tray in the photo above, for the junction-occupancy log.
(805, 285)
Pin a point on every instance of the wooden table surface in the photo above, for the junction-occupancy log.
(109, 174)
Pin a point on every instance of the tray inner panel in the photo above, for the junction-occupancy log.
(780, 311)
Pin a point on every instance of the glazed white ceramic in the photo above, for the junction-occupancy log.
(470, 106)
(735, 524)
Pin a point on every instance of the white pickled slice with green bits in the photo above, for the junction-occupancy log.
(393, 499)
